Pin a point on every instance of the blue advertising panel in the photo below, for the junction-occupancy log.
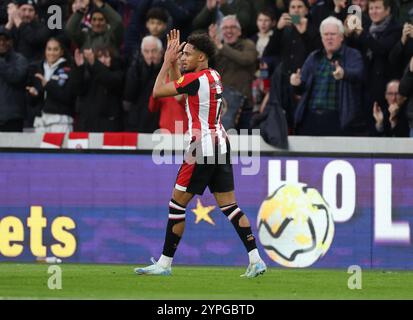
(113, 208)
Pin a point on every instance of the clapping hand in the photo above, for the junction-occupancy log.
(174, 47)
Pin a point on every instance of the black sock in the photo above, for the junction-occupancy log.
(176, 215)
(234, 214)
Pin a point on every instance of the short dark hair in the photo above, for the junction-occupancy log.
(158, 14)
(386, 3)
(268, 12)
(98, 10)
(203, 43)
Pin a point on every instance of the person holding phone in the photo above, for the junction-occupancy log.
(403, 50)
(295, 36)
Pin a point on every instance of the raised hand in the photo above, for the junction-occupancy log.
(32, 91)
(98, 3)
(339, 5)
(378, 115)
(295, 78)
(89, 56)
(214, 35)
(174, 47)
(338, 74)
(41, 78)
(212, 4)
(79, 58)
(285, 21)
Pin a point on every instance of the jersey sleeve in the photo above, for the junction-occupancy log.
(187, 84)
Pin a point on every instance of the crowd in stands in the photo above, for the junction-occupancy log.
(312, 67)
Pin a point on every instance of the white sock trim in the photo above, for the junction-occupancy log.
(254, 256)
(165, 262)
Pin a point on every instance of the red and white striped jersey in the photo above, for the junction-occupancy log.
(203, 107)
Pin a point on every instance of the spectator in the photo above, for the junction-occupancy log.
(98, 83)
(140, 80)
(265, 23)
(406, 90)
(182, 13)
(106, 29)
(137, 28)
(242, 9)
(293, 41)
(13, 71)
(330, 85)
(375, 45)
(392, 123)
(50, 89)
(157, 23)
(403, 50)
(236, 62)
(29, 34)
(173, 118)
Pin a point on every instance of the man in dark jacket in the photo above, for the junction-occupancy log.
(28, 33)
(330, 86)
(375, 44)
(13, 70)
(140, 80)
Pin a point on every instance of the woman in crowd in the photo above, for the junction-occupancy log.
(50, 90)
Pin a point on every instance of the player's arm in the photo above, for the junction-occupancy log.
(174, 72)
(162, 89)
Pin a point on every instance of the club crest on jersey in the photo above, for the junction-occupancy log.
(180, 80)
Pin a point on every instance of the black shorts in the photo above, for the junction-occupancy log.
(214, 172)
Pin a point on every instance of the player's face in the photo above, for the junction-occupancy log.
(190, 58)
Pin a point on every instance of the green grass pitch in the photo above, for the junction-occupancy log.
(29, 281)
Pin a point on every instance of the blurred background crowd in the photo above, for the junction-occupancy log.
(316, 67)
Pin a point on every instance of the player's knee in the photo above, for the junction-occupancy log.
(235, 215)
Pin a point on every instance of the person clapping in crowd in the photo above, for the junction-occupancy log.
(98, 82)
(28, 33)
(393, 121)
(50, 90)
